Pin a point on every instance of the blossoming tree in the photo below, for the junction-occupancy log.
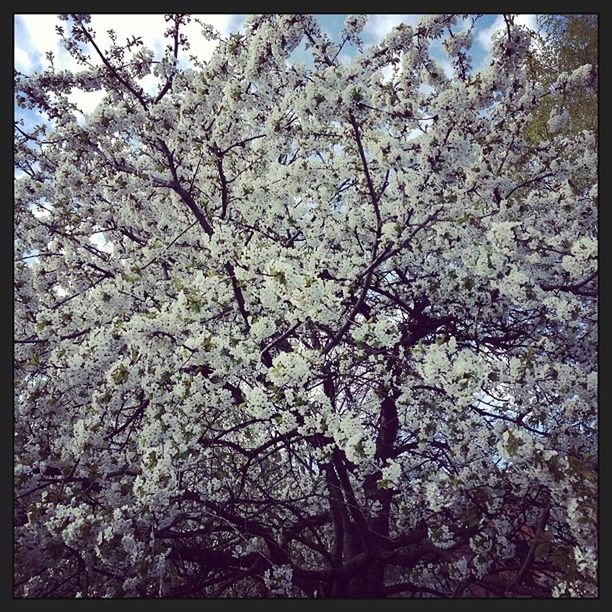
(304, 331)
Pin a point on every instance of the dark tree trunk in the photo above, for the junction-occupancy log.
(352, 539)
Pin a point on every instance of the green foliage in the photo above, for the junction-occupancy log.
(564, 43)
(120, 374)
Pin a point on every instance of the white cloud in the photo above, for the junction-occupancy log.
(485, 36)
(378, 26)
(23, 63)
(150, 84)
(413, 134)
(36, 35)
(387, 74)
(201, 47)
(42, 37)
(100, 242)
(41, 32)
(529, 21)
(447, 67)
(86, 101)
(150, 28)
(40, 212)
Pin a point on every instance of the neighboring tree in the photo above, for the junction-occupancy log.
(291, 331)
(565, 43)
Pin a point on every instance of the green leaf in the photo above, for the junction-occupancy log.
(120, 374)
(195, 306)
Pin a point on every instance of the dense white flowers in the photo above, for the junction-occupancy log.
(557, 121)
(392, 473)
(290, 369)
(278, 580)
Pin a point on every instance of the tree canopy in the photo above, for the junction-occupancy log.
(305, 330)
